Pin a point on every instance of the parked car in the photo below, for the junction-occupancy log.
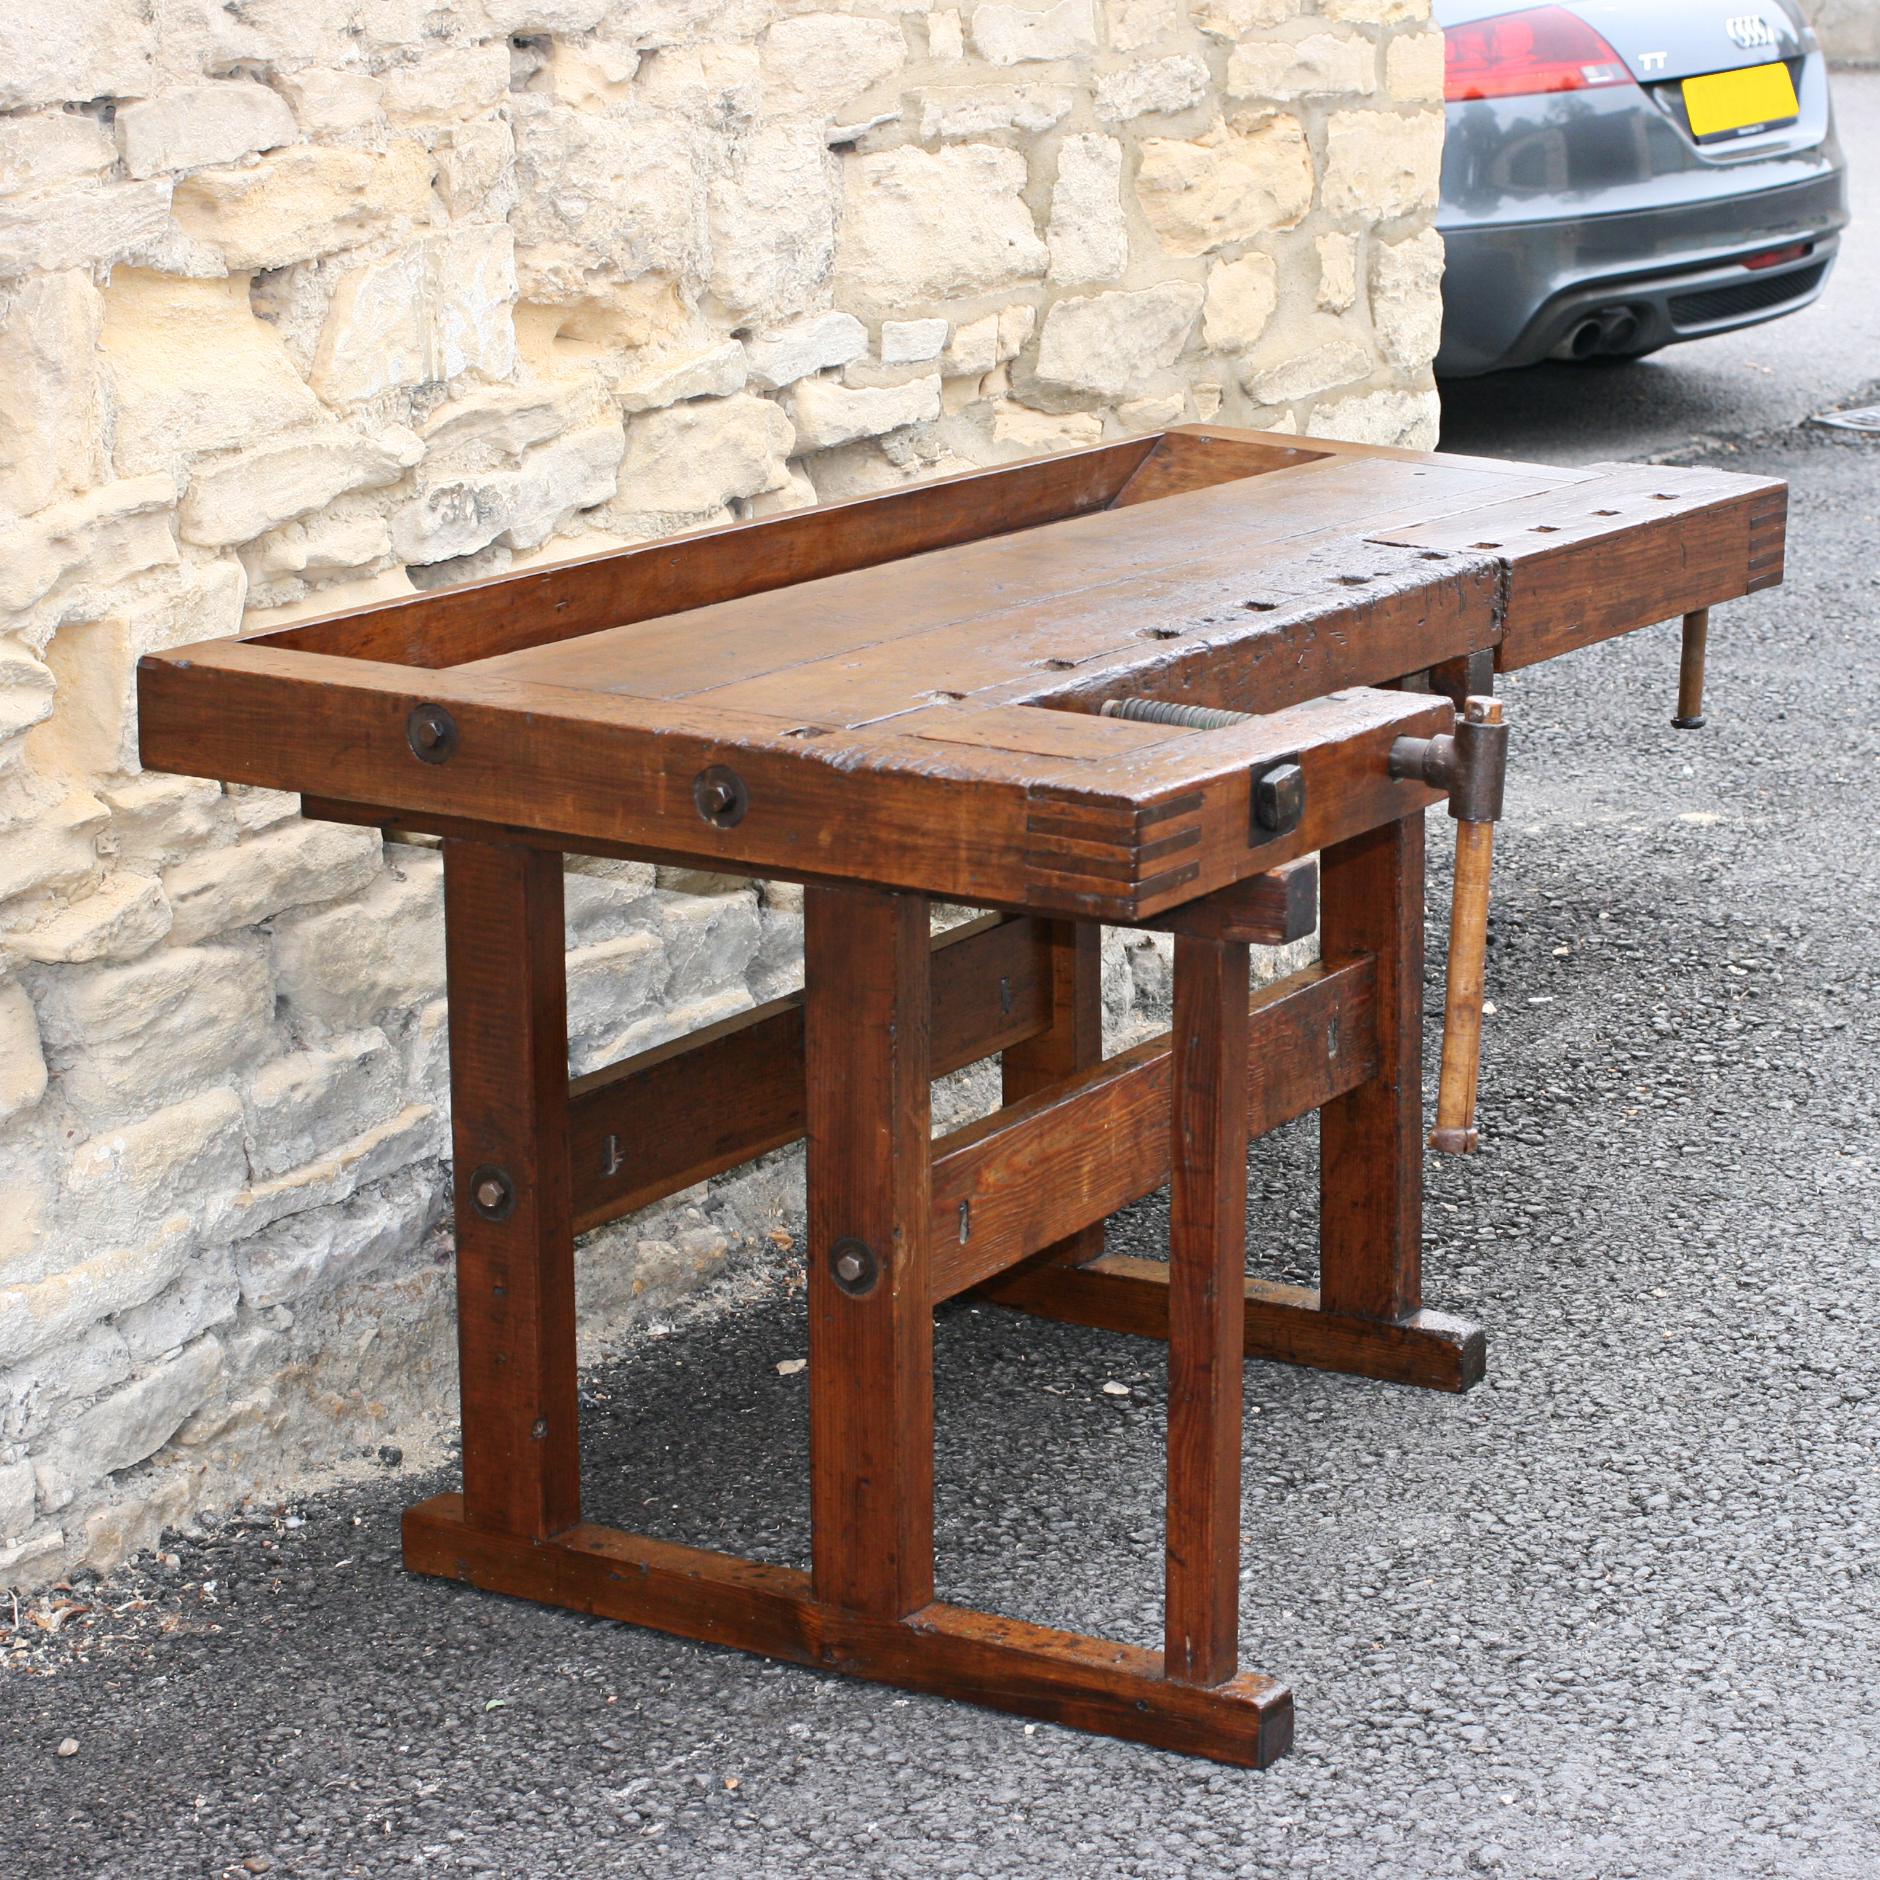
(1624, 174)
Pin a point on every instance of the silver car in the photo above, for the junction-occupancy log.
(1623, 174)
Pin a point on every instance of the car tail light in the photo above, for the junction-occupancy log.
(1774, 257)
(1516, 55)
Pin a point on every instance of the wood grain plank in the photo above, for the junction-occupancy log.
(1371, 1138)
(1074, 1153)
(1207, 1263)
(980, 1658)
(868, 1063)
(656, 1123)
(509, 1114)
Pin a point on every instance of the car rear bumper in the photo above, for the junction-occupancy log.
(1516, 291)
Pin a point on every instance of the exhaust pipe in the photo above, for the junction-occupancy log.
(1608, 330)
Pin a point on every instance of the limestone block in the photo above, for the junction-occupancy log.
(194, 370)
(81, 225)
(612, 985)
(124, 1038)
(17, 1497)
(1407, 420)
(53, 1310)
(1317, 66)
(1407, 299)
(1137, 23)
(1087, 236)
(217, 121)
(922, 226)
(600, 199)
(107, 535)
(307, 200)
(202, 1298)
(1151, 85)
(1382, 164)
(124, 1182)
(521, 508)
(447, 82)
(1413, 67)
(42, 149)
(35, 1394)
(53, 845)
(53, 407)
(545, 16)
(826, 339)
(22, 1062)
(437, 309)
(321, 546)
(503, 420)
(1236, 181)
(594, 74)
(814, 62)
(1028, 433)
(32, 1561)
(252, 809)
(1234, 19)
(1152, 414)
(1009, 35)
(346, 965)
(1376, 12)
(94, 49)
(711, 940)
(773, 224)
(1112, 343)
(1302, 360)
(912, 342)
(157, 818)
(417, 1133)
(26, 690)
(1241, 298)
(476, 169)
(319, 1249)
(288, 866)
(305, 1104)
(127, 1426)
(974, 348)
(795, 492)
(966, 111)
(827, 414)
(237, 495)
(125, 917)
(699, 456)
(716, 372)
(328, 104)
(1338, 272)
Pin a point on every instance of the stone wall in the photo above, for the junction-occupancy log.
(309, 302)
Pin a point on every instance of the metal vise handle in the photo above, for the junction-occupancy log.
(1472, 766)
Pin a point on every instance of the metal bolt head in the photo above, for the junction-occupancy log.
(853, 1266)
(431, 733)
(1279, 798)
(492, 1193)
(720, 796)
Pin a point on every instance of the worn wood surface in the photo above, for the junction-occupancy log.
(710, 1101)
(1012, 1184)
(1286, 1324)
(1005, 1664)
(867, 1054)
(1371, 1137)
(1207, 1264)
(509, 1114)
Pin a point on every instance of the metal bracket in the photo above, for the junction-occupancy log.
(1472, 765)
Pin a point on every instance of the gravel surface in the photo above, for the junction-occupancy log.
(1617, 1613)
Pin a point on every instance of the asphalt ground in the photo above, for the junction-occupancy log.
(1615, 1614)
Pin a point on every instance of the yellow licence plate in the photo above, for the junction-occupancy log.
(1741, 100)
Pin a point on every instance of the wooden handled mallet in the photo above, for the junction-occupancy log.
(1473, 767)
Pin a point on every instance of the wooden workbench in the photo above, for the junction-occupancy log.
(897, 699)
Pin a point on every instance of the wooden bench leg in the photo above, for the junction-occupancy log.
(867, 1060)
(1207, 1265)
(1071, 1042)
(1371, 1138)
(515, 1241)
